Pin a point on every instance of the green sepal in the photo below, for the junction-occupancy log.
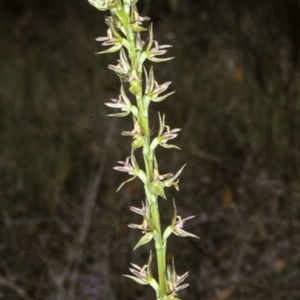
(158, 189)
(124, 62)
(134, 110)
(158, 60)
(137, 28)
(142, 176)
(146, 101)
(144, 240)
(120, 115)
(154, 285)
(138, 142)
(154, 144)
(113, 23)
(150, 40)
(124, 182)
(170, 146)
(149, 80)
(136, 279)
(161, 98)
(113, 49)
(168, 231)
(171, 181)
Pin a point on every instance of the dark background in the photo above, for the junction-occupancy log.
(64, 231)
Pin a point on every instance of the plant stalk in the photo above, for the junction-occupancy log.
(148, 156)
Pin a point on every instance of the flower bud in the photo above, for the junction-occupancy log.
(104, 5)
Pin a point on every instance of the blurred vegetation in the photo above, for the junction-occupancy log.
(63, 232)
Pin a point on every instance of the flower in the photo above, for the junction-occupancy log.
(122, 69)
(174, 281)
(110, 40)
(104, 5)
(124, 104)
(163, 137)
(130, 2)
(177, 225)
(131, 168)
(159, 182)
(150, 52)
(143, 275)
(137, 21)
(126, 167)
(146, 225)
(136, 133)
(158, 50)
(135, 82)
(153, 89)
(173, 180)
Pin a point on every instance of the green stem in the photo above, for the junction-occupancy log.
(160, 245)
(148, 155)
